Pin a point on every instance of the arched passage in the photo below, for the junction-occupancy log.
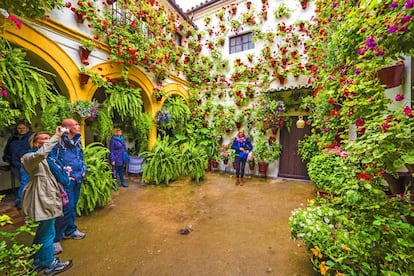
(48, 55)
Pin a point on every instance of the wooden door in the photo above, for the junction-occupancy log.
(290, 165)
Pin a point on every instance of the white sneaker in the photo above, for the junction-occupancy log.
(57, 247)
(77, 235)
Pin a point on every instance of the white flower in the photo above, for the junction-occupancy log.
(4, 13)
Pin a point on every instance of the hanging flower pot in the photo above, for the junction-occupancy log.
(282, 80)
(238, 124)
(84, 53)
(263, 167)
(391, 76)
(110, 2)
(79, 18)
(83, 78)
(304, 4)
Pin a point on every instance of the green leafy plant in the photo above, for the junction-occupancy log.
(282, 11)
(30, 9)
(163, 164)
(14, 255)
(124, 100)
(264, 152)
(102, 126)
(25, 87)
(98, 182)
(179, 114)
(193, 161)
(142, 132)
(54, 113)
(87, 44)
(308, 147)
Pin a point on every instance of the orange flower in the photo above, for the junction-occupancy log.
(323, 268)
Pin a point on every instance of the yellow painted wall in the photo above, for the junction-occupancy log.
(67, 71)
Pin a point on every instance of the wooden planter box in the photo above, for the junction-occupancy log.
(391, 76)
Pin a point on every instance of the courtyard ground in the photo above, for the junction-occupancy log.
(234, 230)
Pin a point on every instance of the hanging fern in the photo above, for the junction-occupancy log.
(179, 113)
(103, 125)
(98, 182)
(142, 129)
(54, 113)
(125, 100)
(26, 85)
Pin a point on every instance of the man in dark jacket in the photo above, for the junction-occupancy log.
(16, 147)
(69, 152)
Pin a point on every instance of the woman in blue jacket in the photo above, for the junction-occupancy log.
(242, 146)
(117, 150)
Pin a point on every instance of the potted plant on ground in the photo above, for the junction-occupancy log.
(265, 153)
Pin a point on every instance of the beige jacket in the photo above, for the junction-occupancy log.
(41, 198)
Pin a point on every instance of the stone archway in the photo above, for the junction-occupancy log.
(51, 55)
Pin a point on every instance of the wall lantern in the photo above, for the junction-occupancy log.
(300, 123)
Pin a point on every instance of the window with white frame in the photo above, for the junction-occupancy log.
(241, 43)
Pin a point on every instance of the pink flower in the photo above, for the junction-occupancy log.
(385, 127)
(399, 97)
(407, 111)
(16, 21)
(359, 122)
(4, 93)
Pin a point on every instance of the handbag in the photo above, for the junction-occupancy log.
(125, 157)
(243, 155)
(63, 195)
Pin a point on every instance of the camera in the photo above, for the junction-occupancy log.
(64, 130)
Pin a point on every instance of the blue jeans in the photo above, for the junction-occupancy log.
(240, 165)
(66, 224)
(44, 235)
(119, 170)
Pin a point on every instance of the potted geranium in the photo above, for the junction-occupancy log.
(85, 48)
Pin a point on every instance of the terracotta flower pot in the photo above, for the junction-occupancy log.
(83, 78)
(84, 53)
(391, 76)
(226, 161)
(304, 4)
(79, 18)
(263, 167)
(208, 166)
(214, 164)
(252, 165)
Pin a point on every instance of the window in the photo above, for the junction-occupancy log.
(241, 43)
